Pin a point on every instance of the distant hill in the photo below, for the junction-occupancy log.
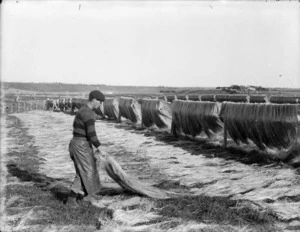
(55, 90)
(72, 88)
(62, 88)
(27, 91)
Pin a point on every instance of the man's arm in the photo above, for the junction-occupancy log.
(91, 132)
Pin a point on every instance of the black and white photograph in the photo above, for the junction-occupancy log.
(149, 116)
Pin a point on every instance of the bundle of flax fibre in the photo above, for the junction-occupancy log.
(267, 125)
(192, 118)
(279, 99)
(130, 109)
(100, 110)
(238, 98)
(162, 98)
(222, 97)
(111, 108)
(133, 185)
(258, 99)
(171, 98)
(208, 97)
(194, 97)
(181, 97)
(76, 103)
(155, 112)
(233, 115)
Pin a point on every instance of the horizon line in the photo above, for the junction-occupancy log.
(147, 86)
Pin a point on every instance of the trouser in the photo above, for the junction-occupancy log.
(87, 179)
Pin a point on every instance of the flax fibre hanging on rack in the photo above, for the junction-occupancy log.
(156, 112)
(267, 125)
(192, 118)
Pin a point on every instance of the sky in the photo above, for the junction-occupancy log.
(151, 43)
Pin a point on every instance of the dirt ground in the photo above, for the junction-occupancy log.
(153, 156)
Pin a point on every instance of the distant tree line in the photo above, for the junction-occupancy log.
(242, 89)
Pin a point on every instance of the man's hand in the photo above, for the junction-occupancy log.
(101, 153)
(104, 154)
(97, 154)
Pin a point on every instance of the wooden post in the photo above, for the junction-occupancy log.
(225, 135)
(294, 146)
(142, 125)
(119, 117)
(298, 126)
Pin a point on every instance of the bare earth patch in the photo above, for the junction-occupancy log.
(221, 191)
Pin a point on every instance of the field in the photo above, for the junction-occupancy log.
(234, 189)
(55, 90)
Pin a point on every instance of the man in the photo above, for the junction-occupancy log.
(87, 181)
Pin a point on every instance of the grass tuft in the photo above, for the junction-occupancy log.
(216, 210)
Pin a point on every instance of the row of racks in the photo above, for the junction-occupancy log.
(279, 99)
(16, 107)
(130, 109)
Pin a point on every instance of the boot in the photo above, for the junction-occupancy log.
(92, 197)
(72, 200)
(81, 200)
(72, 203)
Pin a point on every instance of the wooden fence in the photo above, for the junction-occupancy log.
(18, 107)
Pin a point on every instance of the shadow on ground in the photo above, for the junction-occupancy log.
(58, 187)
(245, 154)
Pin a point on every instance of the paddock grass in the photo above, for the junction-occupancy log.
(56, 212)
(214, 210)
(31, 193)
(217, 210)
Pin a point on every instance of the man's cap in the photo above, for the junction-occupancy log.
(96, 94)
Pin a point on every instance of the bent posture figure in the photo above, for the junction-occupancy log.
(87, 181)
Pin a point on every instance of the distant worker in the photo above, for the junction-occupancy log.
(87, 181)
